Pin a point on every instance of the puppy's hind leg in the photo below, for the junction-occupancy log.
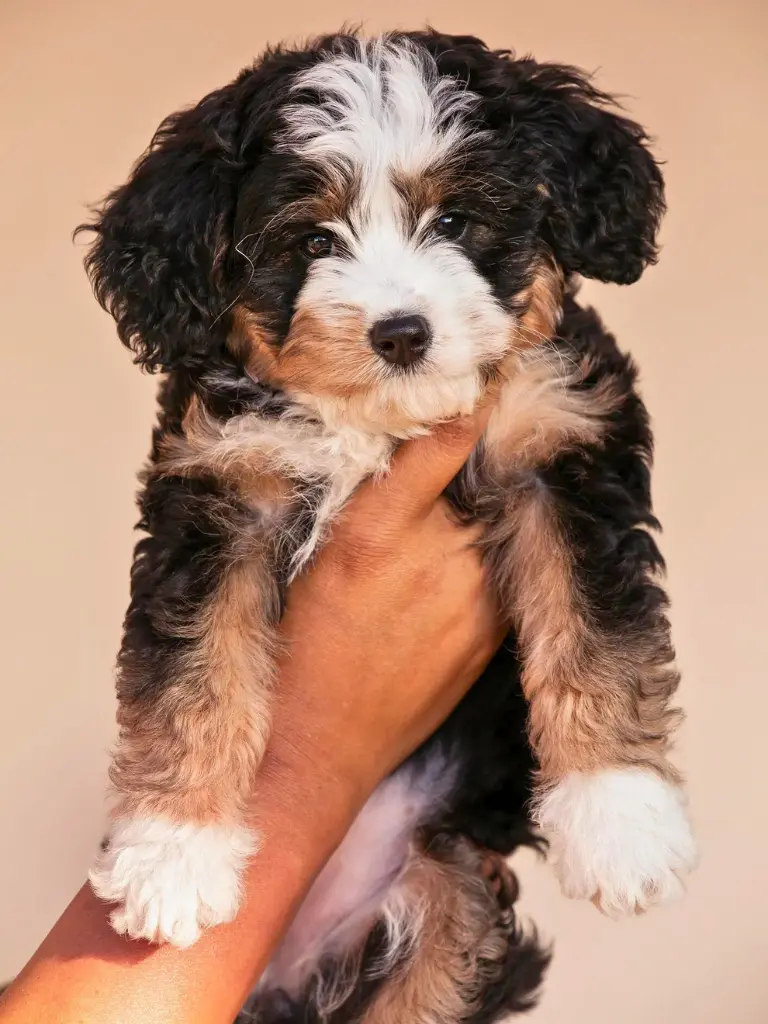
(467, 959)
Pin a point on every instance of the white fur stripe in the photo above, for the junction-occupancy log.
(383, 106)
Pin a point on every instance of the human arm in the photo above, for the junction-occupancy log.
(385, 635)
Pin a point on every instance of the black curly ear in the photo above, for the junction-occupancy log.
(163, 239)
(603, 191)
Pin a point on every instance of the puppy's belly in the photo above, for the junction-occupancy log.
(355, 884)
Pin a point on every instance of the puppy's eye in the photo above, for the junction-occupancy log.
(317, 244)
(451, 226)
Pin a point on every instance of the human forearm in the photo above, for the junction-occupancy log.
(86, 974)
(382, 639)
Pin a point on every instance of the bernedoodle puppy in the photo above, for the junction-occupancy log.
(351, 242)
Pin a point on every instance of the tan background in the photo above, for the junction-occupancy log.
(84, 83)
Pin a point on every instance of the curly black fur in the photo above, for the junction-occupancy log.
(168, 262)
(164, 261)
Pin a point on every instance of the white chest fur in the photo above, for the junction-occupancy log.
(342, 458)
(327, 452)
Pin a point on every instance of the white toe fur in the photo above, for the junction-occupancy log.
(620, 836)
(170, 880)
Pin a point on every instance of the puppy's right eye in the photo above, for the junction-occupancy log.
(317, 244)
(451, 225)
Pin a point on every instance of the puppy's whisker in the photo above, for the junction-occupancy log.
(242, 291)
(277, 219)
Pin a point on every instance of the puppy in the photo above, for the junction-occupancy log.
(348, 244)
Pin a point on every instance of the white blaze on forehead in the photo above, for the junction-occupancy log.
(379, 111)
(385, 106)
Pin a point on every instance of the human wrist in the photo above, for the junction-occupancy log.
(303, 802)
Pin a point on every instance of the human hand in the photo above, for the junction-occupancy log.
(391, 625)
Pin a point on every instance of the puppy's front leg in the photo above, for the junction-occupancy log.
(578, 571)
(599, 676)
(194, 676)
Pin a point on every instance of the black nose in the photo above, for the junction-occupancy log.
(401, 340)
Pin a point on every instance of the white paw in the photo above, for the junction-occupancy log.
(169, 880)
(619, 837)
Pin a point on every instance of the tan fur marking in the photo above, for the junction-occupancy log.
(596, 702)
(211, 447)
(253, 342)
(321, 357)
(318, 357)
(459, 949)
(537, 415)
(191, 752)
(428, 190)
(336, 195)
(331, 202)
(543, 299)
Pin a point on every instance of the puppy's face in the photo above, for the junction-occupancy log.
(390, 260)
(373, 226)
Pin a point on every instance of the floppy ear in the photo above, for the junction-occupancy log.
(603, 191)
(159, 263)
(162, 238)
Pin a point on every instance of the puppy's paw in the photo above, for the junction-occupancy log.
(170, 881)
(620, 838)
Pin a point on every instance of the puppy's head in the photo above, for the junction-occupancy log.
(373, 226)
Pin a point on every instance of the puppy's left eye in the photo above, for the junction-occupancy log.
(451, 226)
(317, 244)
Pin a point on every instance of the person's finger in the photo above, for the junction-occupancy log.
(421, 469)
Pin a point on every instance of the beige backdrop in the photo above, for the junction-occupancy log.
(84, 84)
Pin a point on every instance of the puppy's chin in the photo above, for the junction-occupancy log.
(403, 406)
